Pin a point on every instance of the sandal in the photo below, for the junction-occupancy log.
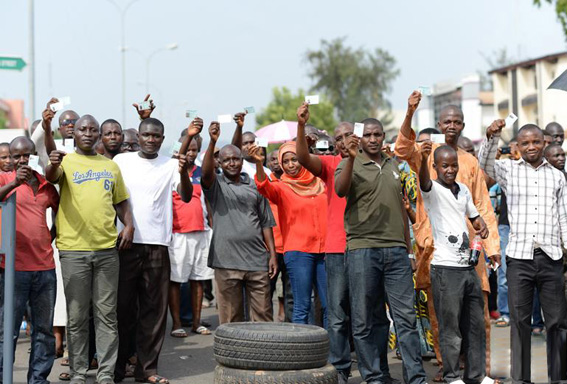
(537, 332)
(154, 379)
(502, 322)
(179, 333)
(65, 376)
(202, 330)
(65, 362)
(439, 376)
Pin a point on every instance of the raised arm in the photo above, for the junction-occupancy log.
(125, 236)
(237, 136)
(489, 149)
(145, 113)
(185, 187)
(311, 162)
(53, 170)
(343, 179)
(257, 154)
(208, 168)
(47, 117)
(424, 177)
(406, 147)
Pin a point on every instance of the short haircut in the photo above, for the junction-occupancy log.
(110, 121)
(5, 145)
(443, 150)
(373, 121)
(451, 107)
(21, 139)
(65, 113)
(197, 138)
(249, 133)
(429, 131)
(151, 121)
(529, 127)
(550, 147)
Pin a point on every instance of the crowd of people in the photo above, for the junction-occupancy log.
(346, 230)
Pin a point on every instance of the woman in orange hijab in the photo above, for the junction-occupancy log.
(302, 208)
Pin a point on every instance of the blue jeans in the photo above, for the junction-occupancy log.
(306, 270)
(338, 311)
(502, 300)
(39, 289)
(374, 273)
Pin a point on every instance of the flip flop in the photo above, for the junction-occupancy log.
(179, 333)
(202, 330)
(65, 362)
(157, 379)
(65, 376)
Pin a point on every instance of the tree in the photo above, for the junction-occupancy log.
(355, 80)
(560, 10)
(284, 107)
(3, 120)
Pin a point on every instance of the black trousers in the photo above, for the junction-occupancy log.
(523, 277)
(459, 305)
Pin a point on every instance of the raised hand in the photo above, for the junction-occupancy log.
(303, 113)
(23, 174)
(256, 153)
(426, 149)
(495, 128)
(413, 101)
(183, 163)
(47, 115)
(145, 113)
(239, 119)
(55, 158)
(195, 127)
(214, 131)
(351, 143)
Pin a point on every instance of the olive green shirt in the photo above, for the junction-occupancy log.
(373, 214)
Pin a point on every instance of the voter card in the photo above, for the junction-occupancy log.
(495, 267)
(66, 100)
(144, 105)
(425, 91)
(437, 138)
(322, 144)
(175, 148)
(69, 146)
(511, 119)
(56, 107)
(249, 110)
(261, 142)
(33, 163)
(191, 113)
(359, 129)
(312, 100)
(224, 118)
(393, 147)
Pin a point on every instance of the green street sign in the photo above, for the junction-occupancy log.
(12, 63)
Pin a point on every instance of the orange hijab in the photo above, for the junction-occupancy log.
(304, 183)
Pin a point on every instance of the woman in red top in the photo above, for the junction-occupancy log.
(302, 207)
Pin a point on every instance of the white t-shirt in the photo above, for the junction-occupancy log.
(447, 215)
(250, 169)
(150, 184)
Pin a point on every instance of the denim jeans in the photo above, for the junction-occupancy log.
(338, 312)
(39, 289)
(373, 274)
(306, 270)
(504, 232)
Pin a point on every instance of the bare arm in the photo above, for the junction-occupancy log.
(343, 180)
(47, 117)
(268, 235)
(208, 168)
(237, 136)
(124, 212)
(257, 154)
(424, 177)
(53, 170)
(413, 103)
(309, 161)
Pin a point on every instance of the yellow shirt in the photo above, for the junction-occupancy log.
(89, 186)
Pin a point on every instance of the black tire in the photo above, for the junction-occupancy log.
(324, 375)
(271, 346)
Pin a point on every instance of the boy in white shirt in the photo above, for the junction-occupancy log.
(457, 292)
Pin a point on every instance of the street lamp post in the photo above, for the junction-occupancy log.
(122, 12)
(169, 47)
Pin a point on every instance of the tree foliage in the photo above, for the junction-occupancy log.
(3, 120)
(355, 81)
(284, 106)
(560, 10)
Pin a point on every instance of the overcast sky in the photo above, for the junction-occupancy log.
(232, 53)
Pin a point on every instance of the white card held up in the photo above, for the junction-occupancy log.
(249, 110)
(33, 163)
(437, 138)
(144, 105)
(322, 144)
(261, 142)
(69, 146)
(56, 107)
(191, 113)
(425, 91)
(224, 118)
(312, 100)
(66, 100)
(510, 120)
(359, 129)
(175, 148)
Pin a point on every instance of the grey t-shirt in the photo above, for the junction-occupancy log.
(239, 214)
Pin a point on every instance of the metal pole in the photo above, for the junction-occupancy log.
(123, 56)
(9, 247)
(31, 61)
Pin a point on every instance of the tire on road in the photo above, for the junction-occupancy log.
(271, 346)
(323, 375)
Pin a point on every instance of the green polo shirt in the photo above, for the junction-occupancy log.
(373, 214)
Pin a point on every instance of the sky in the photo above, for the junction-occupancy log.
(232, 53)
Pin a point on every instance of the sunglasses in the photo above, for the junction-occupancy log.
(132, 146)
(69, 122)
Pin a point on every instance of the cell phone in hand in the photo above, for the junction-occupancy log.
(505, 150)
